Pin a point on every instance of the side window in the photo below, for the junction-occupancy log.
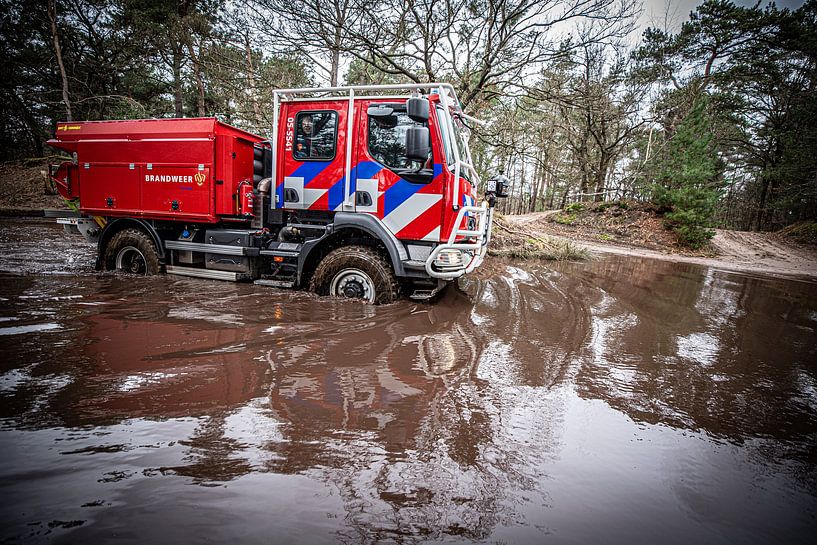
(449, 155)
(315, 136)
(387, 142)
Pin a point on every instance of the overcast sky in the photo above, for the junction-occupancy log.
(654, 10)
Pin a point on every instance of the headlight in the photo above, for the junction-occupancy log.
(449, 259)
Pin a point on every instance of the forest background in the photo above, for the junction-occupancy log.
(713, 118)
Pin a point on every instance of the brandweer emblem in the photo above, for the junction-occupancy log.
(199, 177)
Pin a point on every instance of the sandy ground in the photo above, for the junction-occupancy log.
(735, 250)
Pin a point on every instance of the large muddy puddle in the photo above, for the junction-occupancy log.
(620, 400)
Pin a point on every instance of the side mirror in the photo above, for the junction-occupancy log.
(417, 143)
(417, 109)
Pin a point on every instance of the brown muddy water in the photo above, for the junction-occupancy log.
(620, 400)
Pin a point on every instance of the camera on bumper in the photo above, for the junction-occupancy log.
(496, 188)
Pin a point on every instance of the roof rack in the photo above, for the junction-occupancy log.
(345, 91)
(355, 92)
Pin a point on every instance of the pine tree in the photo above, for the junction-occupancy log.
(687, 185)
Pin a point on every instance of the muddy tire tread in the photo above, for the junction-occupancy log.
(369, 260)
(138, 239)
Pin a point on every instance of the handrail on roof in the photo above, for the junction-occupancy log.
(350, 89)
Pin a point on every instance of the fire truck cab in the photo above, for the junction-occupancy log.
(358, 193)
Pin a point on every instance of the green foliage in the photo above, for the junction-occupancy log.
(565, 219)
(606, 205)
(574, 207)
(758, 66)
(687, 185)
(130, 59)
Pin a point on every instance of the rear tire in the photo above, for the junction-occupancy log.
(132, 251)
(356, 272)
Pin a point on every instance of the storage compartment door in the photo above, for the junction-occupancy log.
(109, 188)
(182, 191)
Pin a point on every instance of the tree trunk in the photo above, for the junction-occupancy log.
(200, 106)
(601, 176)
(178, 97)
(761, 208)
(537, 180)
(256, 108)
(52, 14)
(335, 68)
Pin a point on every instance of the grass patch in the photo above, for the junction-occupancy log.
(803, 231)
(565, 219)
(554, 251)
(574, 207)
(508, 242)
(606, 237)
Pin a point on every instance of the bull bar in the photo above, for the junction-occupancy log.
(475, 243)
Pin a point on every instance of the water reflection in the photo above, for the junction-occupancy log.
(729, 355)
(517, 405)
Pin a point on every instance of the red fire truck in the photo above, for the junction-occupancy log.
(358, 193)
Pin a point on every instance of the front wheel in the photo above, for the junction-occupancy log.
(132, 251)
(356, 272)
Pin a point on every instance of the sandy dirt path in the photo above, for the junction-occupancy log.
(737, 250)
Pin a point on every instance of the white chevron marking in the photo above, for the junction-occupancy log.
(410, 210)
(434, 235)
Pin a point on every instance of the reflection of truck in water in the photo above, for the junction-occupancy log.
(357, 194)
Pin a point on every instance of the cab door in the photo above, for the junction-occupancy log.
(407, 196)
(312, 156)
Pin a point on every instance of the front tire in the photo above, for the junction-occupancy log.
(356, 272)
(132, 251)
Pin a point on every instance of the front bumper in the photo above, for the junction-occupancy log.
(474, 248)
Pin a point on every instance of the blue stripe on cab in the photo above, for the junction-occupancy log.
(398, 194)
(366, 170)
(309, 171)
(336, 193)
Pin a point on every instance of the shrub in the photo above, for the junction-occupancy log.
(687, 188)
(565, 219)
(603, 206)
(574, 207)
(804, 231)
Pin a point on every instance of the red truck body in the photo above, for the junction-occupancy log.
(164, 169)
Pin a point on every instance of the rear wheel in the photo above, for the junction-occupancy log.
(356, 272)
(132, 251)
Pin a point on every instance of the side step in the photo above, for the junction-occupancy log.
(221, 249)
(275, 283)
(206, 273)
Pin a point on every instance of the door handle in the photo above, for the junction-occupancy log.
(363, 198)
